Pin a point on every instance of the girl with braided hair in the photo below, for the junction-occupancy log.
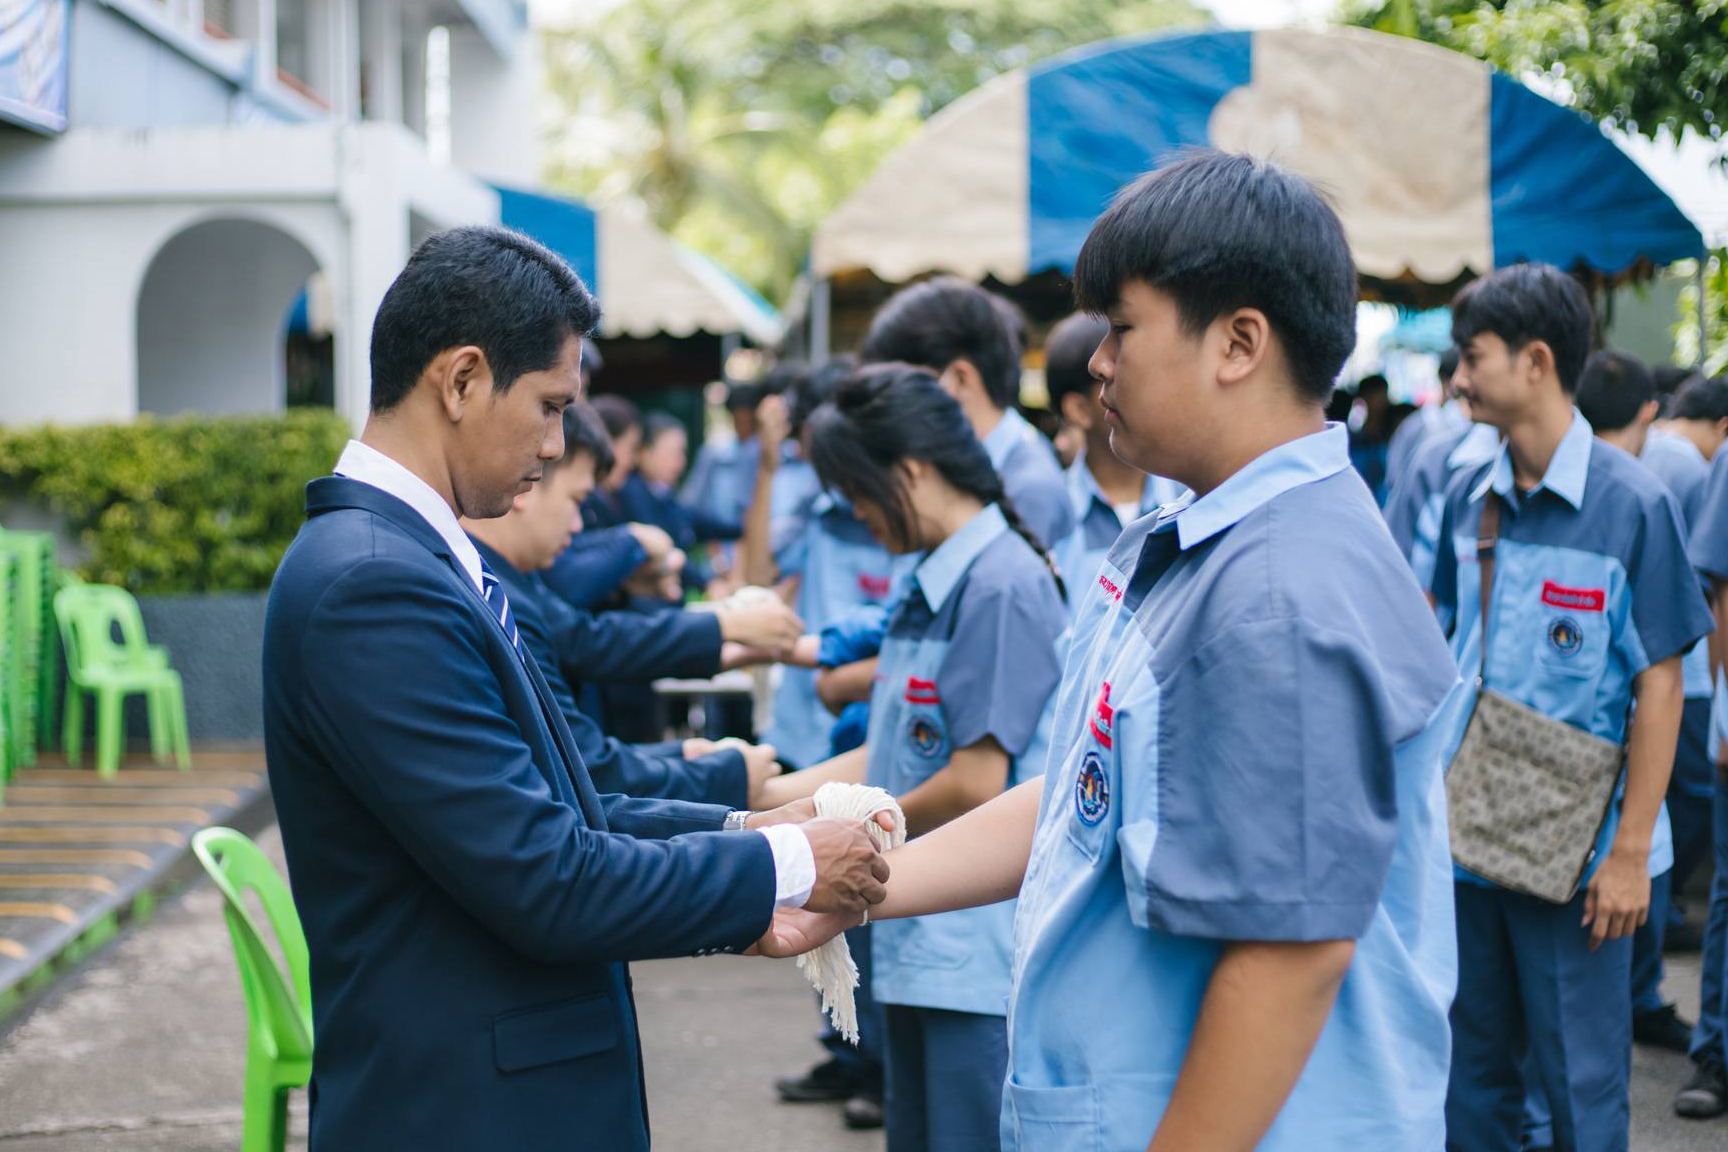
(959, 713)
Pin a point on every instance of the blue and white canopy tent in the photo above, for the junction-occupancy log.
(1440, 167)
(668, 314)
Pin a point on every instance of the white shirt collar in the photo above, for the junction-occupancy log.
(369, 466)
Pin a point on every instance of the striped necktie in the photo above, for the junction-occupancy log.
(500, 605)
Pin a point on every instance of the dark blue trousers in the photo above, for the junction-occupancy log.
(1532, 995)
(1707, 1038)
(1647, 947)
(1691, 792)
(945, 1075)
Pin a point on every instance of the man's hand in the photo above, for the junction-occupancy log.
(654, 541)
(759, 764)
(733, 655)
(696, 747)
(795, 931)
(759, 622)
(797, 812)
(850, 873)
(1618, 898)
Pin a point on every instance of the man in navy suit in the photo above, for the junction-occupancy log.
(468, 897)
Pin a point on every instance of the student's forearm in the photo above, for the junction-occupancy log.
(978, 859)
(756, 557)
(846, 683)
(1261, 1016)
(1660, 693)
(848, 768)
(973, 776)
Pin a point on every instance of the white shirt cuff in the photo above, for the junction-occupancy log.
(794, 864)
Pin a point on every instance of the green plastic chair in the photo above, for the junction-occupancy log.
(88, 615)
(279, 1013)
(30, 659)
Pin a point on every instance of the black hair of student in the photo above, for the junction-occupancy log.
(1373, 382)
(1702, 400)
(1068, 355)
(618, 414)
(886, 413)
(584, 432)
(1448, 365)
(1524, 303)
(657, 424)
(744, 396)
(785, 376)
(1671, 378)
(1217, 231)
(817, 388)
(482, 285)
(938, 321)
(1614, 389)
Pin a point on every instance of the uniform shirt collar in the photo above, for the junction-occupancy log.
(1566, 473)
(369, 466)
(1009, 431)
(941, 570)
(1083, 490)
(1301, 461)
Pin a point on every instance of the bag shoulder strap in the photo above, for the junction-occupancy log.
(1487, 536)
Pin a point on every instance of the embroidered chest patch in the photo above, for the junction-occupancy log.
(1565, 635)
(1092, 790)
(924, 736)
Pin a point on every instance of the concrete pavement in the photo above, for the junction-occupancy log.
(141, 1051)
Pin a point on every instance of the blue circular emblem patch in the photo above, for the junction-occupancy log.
(1565, 636)
(925, 737)
(1092, 790)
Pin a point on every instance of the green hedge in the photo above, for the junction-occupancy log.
(189, 504)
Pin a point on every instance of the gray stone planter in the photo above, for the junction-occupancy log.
(216, 643)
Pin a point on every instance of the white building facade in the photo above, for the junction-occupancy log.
(199, 176)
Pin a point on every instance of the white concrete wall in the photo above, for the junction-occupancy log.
(122, 76)
(494, 109)
(211, 314)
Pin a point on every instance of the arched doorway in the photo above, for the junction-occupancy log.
(216, 309)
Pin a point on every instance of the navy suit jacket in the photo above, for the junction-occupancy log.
(467, 895)
(717, 778)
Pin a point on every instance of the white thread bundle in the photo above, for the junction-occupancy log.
(830, 967)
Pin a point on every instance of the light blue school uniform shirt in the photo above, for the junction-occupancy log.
(1249, 744)
(1445, 421)
(1678, 464)
(970, 652)
(1097, 524)
(1419, 496)
(1708, 551)
(722, 479)
(1031, 476)
(1591, 587)
(840, 567)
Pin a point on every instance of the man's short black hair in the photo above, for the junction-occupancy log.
(1614, 389)
(584, 432)
(938, 321)
(744, 397)
(657, 425)
(1525, 303)
(481, 285)
(618, 414)
(1671, 378)
(1068, 353)
(1702, 400)
(1217, 231)
(1448, 365)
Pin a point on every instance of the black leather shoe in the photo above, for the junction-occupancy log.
(864, 1111)
(824, 1082)
(1706, 1094)
(1663, 1028)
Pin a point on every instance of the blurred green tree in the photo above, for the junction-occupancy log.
(741, 123)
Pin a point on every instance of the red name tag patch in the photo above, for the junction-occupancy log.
(1577, 599)
(1109, 586)
(1104, 718)
(875, 587)
(921, 691)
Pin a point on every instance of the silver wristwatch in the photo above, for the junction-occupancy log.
(734, 821)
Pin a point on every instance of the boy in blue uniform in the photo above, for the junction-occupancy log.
(1234, 930)
(1594, 603)
(1105, 494)
(958, 331)
(1706, 1095)
(1617, 395)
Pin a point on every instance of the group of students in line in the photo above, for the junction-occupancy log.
(1189, 698)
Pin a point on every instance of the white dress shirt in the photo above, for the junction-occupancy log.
(794, 861)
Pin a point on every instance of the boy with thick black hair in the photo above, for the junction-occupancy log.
(1593, 603)
(1234, 926)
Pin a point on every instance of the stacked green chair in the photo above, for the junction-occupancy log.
(279, 1012)
(30, 667)
(89, 615)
